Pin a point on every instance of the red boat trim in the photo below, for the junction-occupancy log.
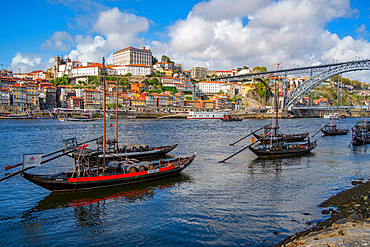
(109, 177)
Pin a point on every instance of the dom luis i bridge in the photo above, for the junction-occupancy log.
(317, 74)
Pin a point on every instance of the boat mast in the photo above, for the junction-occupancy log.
(276, 110)
(104, 119)
(117, 115)
(332, 117)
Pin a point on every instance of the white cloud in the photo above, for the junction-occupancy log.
(28, 62)
(120, 28)
(289, 31)
(116, 30)
(60, 40)
(89, 49)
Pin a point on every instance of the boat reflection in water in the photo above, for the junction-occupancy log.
(275, 164)
(93, 200)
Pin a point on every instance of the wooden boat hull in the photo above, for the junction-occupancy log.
(231, 119)
(335, 132)
(282, 152)
(60, 183)
(358, 141)
(287, 138)
(77, 119)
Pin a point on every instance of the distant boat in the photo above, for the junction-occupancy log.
(333, 115)
(10, 117)
(229, 118)
(206, 115)
(78, 119)
(331, 130)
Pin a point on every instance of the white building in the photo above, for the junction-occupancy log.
(224, 73)
(131, 55)
(133, 69)
(210, 87)
(91, 70)
(160, 65)
(244, 71)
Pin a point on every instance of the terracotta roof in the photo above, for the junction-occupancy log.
(17, 85)
(91, 90)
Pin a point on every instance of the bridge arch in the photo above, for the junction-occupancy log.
(297, 93)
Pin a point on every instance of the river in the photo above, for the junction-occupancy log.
(245, 201)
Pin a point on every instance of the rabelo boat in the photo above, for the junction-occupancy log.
(278, 146)
(229, 118)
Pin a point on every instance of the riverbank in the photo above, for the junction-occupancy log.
(349, 224)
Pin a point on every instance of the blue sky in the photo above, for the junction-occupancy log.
(217, 34)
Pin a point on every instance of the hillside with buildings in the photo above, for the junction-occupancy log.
(146, 84)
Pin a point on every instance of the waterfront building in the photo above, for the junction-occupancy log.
(132, 55)
(47, 97)
(140, 101)
(19, 94)
(150, 99)
(32, 94)
(198, 73)
(179, 99)
(192, 103)
(64, 92)
(210, 87)
(92, 98)
(76, 103)
(5, 96)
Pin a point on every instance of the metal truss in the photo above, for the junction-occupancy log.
(297, 93)
(282, 72)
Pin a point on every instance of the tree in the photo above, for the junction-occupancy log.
(165, 59)
(93, 80)
(261, 89)
(153, 82)
(260, 69)
(113, 105)
(154, 60)
(170, 89)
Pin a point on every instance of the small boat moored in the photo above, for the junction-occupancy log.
(78, 119)
(331, 130)
(229, 118)
(206, 115)
(282, 149)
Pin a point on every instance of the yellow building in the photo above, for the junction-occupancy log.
(138, 101)
(32, 94)
(246, 88)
